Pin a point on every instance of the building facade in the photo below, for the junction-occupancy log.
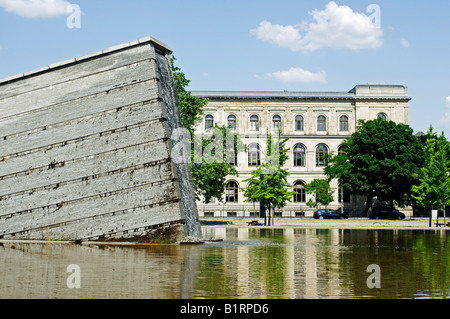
(316, 123)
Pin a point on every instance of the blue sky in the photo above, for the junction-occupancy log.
(254, 45)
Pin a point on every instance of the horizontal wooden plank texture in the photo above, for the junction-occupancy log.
(85, 149)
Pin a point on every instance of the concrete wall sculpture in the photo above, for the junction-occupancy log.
(85, 149)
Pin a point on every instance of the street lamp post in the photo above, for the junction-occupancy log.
(444, 210)
(443, 203)
(342, 195)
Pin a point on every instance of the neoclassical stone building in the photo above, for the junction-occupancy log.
(315, 122)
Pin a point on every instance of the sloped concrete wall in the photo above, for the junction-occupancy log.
(85, 149)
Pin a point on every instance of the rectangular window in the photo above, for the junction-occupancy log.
(321, 123)
(232, 122)
(254, 123)
(209, 122)
(232, 157)
(276, 122)
(299, 123)
(343, 124)
(299, 159)
(321, 152)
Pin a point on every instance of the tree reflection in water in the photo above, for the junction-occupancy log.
(255, 263)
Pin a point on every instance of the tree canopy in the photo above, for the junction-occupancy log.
(211, 162)
(268, 183)
(381, 159)
(208, 174)
(433, 189)
(322, 191)
(191, 107)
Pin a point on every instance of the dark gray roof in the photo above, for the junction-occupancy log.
(352, 94)
(418, 134)
(271, 94)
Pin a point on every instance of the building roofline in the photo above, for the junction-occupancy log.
(269, 94)
(300, 94)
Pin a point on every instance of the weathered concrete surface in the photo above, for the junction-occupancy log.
(85, 149)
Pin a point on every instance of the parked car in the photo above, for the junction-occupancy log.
(329, 214)
(383, 213)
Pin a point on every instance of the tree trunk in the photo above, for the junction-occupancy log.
(262, 211)
(368, 203)
(273, 216)
(391, 208)
(431, 216)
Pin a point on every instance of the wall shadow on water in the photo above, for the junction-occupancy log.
(40, 271)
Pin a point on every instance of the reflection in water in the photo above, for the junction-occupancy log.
(249, 263)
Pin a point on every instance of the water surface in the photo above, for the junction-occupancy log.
(250, 263)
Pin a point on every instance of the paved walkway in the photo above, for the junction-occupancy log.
(409, 223)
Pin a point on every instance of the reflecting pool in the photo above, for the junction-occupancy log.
(250, 263)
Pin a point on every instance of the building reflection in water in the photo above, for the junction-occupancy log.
(254, 263)
(282, 263)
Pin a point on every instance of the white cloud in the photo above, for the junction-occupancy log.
(404, 43)
(298, 75)
(283, 36)
(36, 8)
(336, 27)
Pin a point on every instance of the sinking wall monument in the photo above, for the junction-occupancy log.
(85, 149)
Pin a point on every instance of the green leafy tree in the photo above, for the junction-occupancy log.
(322, 191)
(191, 107)
(433, 189)
(208, 174)
(268, 183)
(211, 162)
(381, 159)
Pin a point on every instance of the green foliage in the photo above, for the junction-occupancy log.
(322, 191)
(208, 177)
(191, 107)
(210, 166)
(433, 189)
(268, 183)
(381, 159)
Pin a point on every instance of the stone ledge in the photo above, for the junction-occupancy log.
(158, 44)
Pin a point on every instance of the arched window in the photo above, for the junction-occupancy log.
(321, 123)
(299, 124)
(209, 122)
(254, 155)
(343, 123)
(299, 155)
(321, 152)
(254, 123)
(300, 194)
(276, 122)
(232, 121)
(382, 116)
(231, 192)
